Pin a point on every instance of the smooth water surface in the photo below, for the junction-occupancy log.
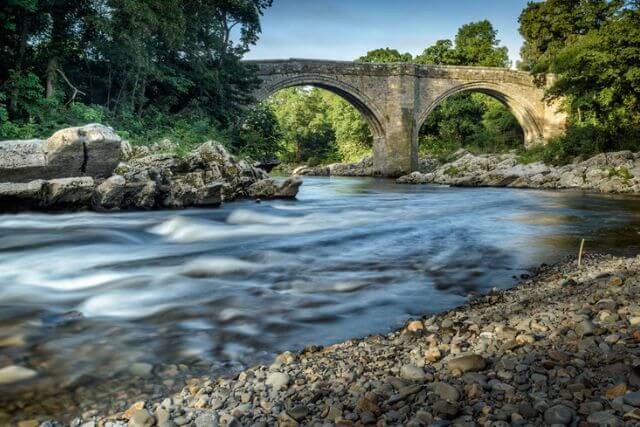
(229, 287)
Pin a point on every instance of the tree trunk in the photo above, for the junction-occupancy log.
(52, 68)
(59, 11)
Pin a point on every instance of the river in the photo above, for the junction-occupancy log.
(83, 296)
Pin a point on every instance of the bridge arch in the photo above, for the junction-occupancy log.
(524, 113)
(352, 95)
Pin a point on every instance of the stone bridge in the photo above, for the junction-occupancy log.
(396, 99)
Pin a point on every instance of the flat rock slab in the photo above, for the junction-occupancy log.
(93, 150)
(22, 161)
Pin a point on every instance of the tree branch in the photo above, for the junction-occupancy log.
(76, 91)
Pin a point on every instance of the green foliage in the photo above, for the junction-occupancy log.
(549, 26)
(579, 142)
(440, 149)
(441, 53)
(318, 127)
(477, 44)
(452, 171)
(385, 55)
(353, 138)
(599, 76)
(620, 172)
(260, 134)
(171, 65)
(593, 48)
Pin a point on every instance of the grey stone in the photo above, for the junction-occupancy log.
(468, 363)
(412, 373)
(21, 196)
(270, 189)
(444, 409)
(162, 415)
(140, 369)
(142, 418)
(206, 420)
(446, 391)
(13, 374)
(558, 414)
(92, 150)
(68, 193)
(585, 328)
(604, 419)
(278, 380)
(632, 399)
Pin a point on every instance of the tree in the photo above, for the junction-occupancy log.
(477, 44)
(385, 55)
(138, 63)
(549, 26)
(441, 53)
(307, 135)
(593, 48)
(353, 138)
(598, 76)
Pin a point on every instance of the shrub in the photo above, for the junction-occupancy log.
(621, 172)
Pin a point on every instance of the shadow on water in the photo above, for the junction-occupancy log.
(84, 296)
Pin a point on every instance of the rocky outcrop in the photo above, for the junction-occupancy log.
(152, 177)
(93, 150)
(608, 173)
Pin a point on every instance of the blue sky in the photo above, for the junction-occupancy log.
(346, 29)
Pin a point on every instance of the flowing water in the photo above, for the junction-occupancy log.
(83, 296)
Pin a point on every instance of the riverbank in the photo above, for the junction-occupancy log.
(617, 172)
(562, 347)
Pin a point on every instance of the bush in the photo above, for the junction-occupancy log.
(440, 149)
(579, 143)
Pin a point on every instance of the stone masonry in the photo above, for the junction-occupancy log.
(396, 99)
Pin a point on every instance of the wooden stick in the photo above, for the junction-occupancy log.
(580, 253)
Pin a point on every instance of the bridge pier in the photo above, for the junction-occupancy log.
(398, 154)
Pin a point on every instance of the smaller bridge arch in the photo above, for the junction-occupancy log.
(524, 113)
(351, 94)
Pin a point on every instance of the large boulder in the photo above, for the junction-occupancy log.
(22, 161)
(92, 150)
(270, 189)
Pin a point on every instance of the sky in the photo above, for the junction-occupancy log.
(347, 29)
